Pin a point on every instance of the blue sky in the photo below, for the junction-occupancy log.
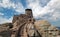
(42, 9)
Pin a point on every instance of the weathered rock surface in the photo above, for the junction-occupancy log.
(24, 25)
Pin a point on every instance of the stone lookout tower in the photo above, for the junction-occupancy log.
(23, 24)
(29, 12)
(22, 17)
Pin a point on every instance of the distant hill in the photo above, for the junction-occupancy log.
(6, 25)
(58, 27)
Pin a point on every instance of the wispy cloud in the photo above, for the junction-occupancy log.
(1, 13)
(51, 9)
(18, 7)
(35, 6)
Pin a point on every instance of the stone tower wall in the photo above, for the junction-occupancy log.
(29, 12)
(23, 17)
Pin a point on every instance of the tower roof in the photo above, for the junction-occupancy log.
(28, 10)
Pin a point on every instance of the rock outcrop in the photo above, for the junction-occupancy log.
(24, 25)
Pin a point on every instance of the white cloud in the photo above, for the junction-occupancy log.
(51, 6)
(5, 3)
(52, 9)
(35, 6)
(18, 7)
(1, 14)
